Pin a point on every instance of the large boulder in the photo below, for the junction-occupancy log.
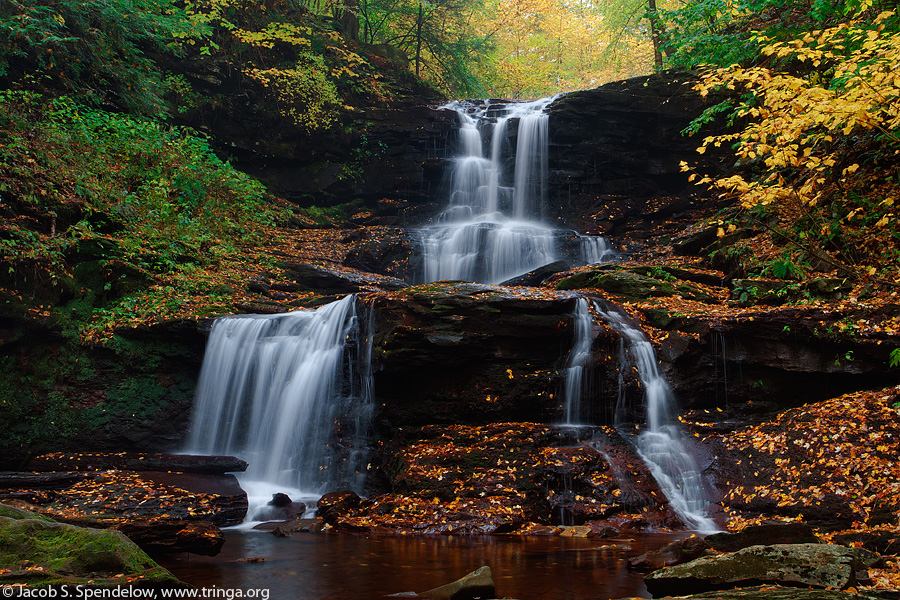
(38, 551)
(802, 565)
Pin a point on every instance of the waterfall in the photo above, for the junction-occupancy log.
(595, 249)
(492, 228)
(578, 361)
(662, 444)
(290, 394)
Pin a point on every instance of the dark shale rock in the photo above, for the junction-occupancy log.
(802, 565)
(615, 152)
(512, 478)
(770, 592)
(333, 505)
(335, 279)
(388, 254)
(886, 543)
(471, 353)
(161, 511)
(763, 534)
(785, 357)
(134, 461)
(537, 277)
(165, 536)
(72, 555)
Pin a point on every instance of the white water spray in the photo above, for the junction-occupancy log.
(291, 395)
(662, 444)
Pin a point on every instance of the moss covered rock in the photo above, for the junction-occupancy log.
(813, 565)
(43, 552)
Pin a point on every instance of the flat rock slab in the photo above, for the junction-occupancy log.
(806, 565)
(338, 279)
(762, 535)
(137, 461)
(161, 511)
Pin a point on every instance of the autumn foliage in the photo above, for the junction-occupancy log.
(818, 141)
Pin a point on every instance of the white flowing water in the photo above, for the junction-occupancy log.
(290, 394)
(662, 444)
(493, 228)
(578, 361)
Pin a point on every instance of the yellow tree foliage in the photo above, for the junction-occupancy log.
(815, 129)
(548, 46)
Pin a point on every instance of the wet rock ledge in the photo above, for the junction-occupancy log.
(164, 503)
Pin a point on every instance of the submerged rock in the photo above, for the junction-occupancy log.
(279, 508)
(477, 584)
(813, 565)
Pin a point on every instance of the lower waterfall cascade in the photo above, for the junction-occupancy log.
(278, 390)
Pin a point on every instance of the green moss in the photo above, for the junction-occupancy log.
(70, 554)
(11, 512)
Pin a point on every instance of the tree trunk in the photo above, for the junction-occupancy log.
(350, 20)
(419, 22)
(656, 33)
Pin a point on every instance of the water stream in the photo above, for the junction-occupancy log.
(291, 395)
(662, 443)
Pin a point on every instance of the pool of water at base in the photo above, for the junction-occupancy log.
(340, 566)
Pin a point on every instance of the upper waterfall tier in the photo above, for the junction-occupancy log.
(495, 225)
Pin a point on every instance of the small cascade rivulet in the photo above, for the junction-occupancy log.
(577, 362)
(495, 226)
(662, 443)
(291, 395)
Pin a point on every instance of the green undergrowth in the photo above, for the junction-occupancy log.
(106, 215)
(57, 395)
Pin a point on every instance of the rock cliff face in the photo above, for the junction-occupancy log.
(376, 152)
(475, 354)
(615, 152)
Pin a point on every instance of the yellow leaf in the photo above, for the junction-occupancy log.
(720, 232)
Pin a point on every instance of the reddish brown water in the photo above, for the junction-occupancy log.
(344, 566)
